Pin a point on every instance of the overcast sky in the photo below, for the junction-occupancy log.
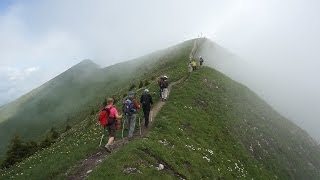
(39, 39)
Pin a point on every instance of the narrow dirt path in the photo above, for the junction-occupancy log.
(193, 49)
(84, 168)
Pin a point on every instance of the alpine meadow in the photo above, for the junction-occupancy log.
(211, 127)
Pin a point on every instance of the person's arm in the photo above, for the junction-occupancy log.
(118, 118)
(116, 114)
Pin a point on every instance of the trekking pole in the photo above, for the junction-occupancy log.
(123, 126)
(140, 125)
(102, 136)
(151, 114)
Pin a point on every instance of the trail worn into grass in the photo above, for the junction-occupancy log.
(83, 168)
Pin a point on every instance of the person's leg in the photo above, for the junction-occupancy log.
(132, 120)
(110, 141)
(162, 94)
(165, 93)
(112, 132)
(147, 114)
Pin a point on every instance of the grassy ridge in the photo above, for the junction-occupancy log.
(84, 137)
(211, 127)
(200, 134)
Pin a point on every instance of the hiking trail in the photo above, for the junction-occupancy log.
(85, 167)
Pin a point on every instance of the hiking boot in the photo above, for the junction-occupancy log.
(108, 148)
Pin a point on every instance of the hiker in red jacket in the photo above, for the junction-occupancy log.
(113, 122)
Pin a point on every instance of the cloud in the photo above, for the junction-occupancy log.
(14, 74)
(277, 38)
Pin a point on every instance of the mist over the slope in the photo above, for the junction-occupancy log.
(278, 40)
(280, 43)
(294, 95)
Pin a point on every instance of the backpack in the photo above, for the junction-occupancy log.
(165, 84)
(104, 117)
(128, 107)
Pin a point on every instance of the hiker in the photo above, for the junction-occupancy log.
(194, 64)
(146, 101)
(111, 120)
(190, 67)
(165, 85)
(160, 83)
(201, 61)
(130, 107)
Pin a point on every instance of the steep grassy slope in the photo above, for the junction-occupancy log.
(74, 94)
(213, 127)
(84, 137)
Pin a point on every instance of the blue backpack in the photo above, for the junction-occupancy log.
(128, 107)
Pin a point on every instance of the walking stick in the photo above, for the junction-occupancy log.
(140, 125)
(123, 126)
(151, 114)
(102, 136)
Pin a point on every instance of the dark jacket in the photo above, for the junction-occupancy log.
(165, 84)
(146, 101)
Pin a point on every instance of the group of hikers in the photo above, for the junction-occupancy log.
(192, 66)
(109, 116)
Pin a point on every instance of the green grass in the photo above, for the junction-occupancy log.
(75, 93)
(210, 128)
(201, 121)
(84, 137)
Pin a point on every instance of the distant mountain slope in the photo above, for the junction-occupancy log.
(83, 138)
(72, 95)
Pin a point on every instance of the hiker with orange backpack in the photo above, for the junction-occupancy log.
(109, 118)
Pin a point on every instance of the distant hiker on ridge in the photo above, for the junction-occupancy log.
(160, 83)
(194, 64)
(190, 67)
(201, 61)
(146, 101)
(109, 118)
(130, 107)
(165, 86)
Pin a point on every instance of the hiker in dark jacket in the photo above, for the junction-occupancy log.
(201, 61)
(146, 101)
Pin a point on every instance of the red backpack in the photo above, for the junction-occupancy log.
(104, 117)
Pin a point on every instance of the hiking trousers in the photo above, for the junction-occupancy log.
(146, 112)
(165, 93)
(132, 124)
